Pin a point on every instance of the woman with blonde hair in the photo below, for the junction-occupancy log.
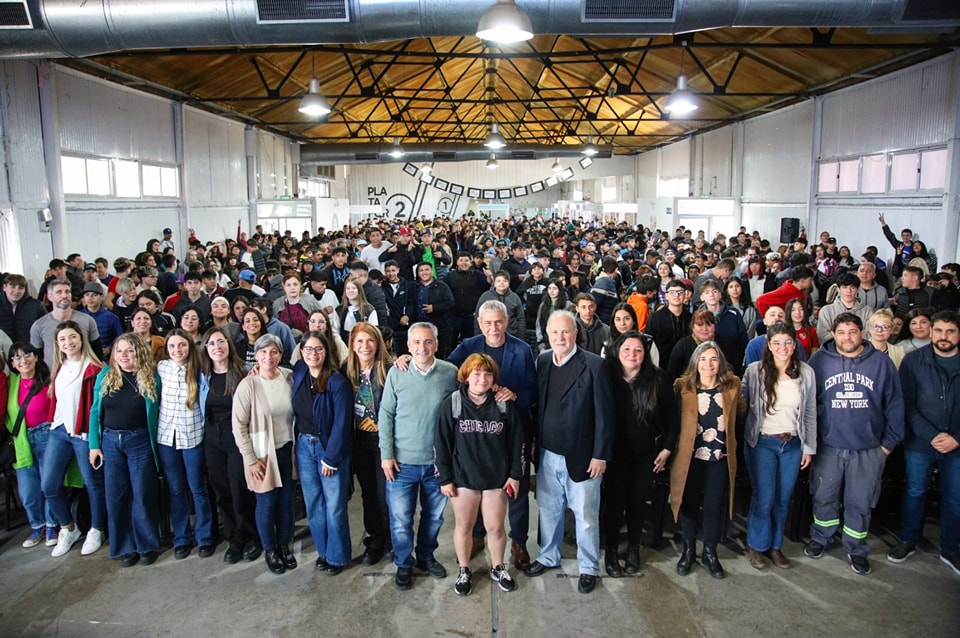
(367, 365)
(180, 445)
(123, 432)
(75, 370)
(706, 460)
(879, 331)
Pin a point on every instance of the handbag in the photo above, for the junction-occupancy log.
(8, 451)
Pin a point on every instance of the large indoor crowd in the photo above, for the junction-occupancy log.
(188, 390)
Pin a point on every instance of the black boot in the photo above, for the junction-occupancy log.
(289, 560)
(613, 562)
(687, 557)
(632, 564)
(711, 562)
(275, 561)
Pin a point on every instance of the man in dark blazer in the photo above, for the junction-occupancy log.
(575, 410)
(518, 381)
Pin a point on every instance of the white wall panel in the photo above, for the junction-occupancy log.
(766, 219)
(676, 160)
(216, 224)
(101, 118)
(777, 156)
(714, 166)
(115, 229)
(274, 166)
(857, 226)
(910, 108)
(388, 184)
(215, 166)
(647, 175)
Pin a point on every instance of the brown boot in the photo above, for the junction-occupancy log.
(757, 561)
(477, 546)
(778, 559)
(521, 559)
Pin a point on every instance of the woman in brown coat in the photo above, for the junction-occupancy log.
(706, 459)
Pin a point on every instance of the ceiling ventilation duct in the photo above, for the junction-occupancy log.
(324, 154)
(71, 28)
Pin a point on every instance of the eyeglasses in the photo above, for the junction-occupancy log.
(219, 343)
(312, 349)
(787, 343)
(25, 355)
(676, 293)
(880, 328)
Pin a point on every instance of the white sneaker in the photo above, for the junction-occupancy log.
(93, 542)
(65, 541)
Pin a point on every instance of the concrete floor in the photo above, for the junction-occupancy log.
(92, 596)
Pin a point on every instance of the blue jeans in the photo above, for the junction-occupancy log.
(186, 469)
(555, 491)
(919, 468)
(773, 467)
(28, 480)
(275, 508)
(133, 495)
(325, 498)
(402, 493)
(61, 450)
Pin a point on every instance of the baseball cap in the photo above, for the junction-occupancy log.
(90, 267)
(503, 242)
(93, 287)
(247, 275)
(167, 231)
(405, 230)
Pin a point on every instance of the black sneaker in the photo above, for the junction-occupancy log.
(432, 567)
(952, 561)
(404, 579)
(901, 552)
(502, 578)
(813, 549)
(463, 586)
(860, 565)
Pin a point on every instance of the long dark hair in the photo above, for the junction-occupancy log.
(768, 369)
(645, 388)
(614, 334)
(329, 365)
(236, 370)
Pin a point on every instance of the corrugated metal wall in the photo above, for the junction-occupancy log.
(777, 150)
(675, 163)
(105, 119)
(647, 175)
(908, 109)
(714, 163)
(214, 156)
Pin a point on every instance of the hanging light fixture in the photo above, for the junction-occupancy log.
(504, 22)
(396, 151)
(494, 140)
(313, 103)
(590, 149)
(492, 163)
(681, 101)
(426, 169)
(557, 166)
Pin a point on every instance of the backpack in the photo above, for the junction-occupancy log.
(294, 315)
(457, 401)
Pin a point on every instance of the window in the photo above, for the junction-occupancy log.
(905, 172)
(933, 169)
(85, 176)
(874, 175)
(127, 176)
(160, 181)
(827, 177)
(849, 181)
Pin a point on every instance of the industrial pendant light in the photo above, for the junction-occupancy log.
(682, 100)
(314, 104)
(494, 140)
(426, 169)
(590, 149)
(505, 22)
(557, 166)
(492, 163)
(396, 151)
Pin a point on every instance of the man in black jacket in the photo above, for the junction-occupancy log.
(18, 310)
(373, 292)
(575, 446)
(670, 324)
(467, 284)
(400, 299)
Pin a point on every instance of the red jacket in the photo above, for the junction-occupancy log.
(82, 426)
(778, 297)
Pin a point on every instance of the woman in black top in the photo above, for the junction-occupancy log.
(479, 457)
(253, 326)
(123, 434)
(646, 432)
(221, 371)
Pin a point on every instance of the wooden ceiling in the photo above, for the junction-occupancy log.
(553, 90)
